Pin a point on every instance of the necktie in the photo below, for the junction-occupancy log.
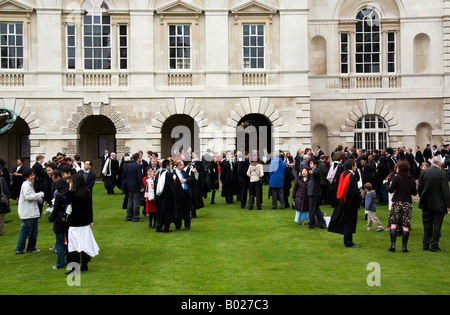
(184, 185)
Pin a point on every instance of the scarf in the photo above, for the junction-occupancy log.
(343, 187)
(161, 183)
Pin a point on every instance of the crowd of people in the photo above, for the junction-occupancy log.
(170, 191)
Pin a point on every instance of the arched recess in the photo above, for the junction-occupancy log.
(97, 133)
(318, 55)
(423, 135)
(389, 9)
(95, 109)
(179, 131)
(254, 132)
(421, 52)
(16, 143)
(260, 106)
(320, 137)
(27, 125)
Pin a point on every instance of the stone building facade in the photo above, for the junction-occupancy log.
(84, 75)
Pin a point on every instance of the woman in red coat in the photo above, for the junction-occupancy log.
(150, 207)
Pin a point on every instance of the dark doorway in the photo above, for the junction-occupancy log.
(16, 144)
(179, 131)
(254, 131)
(97, 133)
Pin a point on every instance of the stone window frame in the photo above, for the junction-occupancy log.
(97, 20)
(387, 25)
(256, 46)
(369, 137)
(21, 16)
(185, 60)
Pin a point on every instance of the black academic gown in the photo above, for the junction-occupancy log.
(229, 179)
(166, 203)
(195, 189)
(111, 177)
(344, 218)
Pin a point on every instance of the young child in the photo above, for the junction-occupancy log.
(150, 207)
(371, 208)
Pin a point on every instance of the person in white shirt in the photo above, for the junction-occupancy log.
(29, 214)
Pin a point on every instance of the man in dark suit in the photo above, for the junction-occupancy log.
(427, 154)
(132, 180)
(88, 175)
(419, 156)
(434, 201)
(41, 174)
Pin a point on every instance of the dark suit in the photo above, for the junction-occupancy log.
(434, 195)
(132, 181)
(89, 178)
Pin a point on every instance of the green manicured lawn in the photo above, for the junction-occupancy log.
(228, 251)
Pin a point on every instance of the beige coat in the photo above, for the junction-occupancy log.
(255, 172)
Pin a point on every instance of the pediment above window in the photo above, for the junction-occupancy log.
(179, 7)
(14, 6)
(253, 7)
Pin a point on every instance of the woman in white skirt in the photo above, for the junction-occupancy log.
(81, 240)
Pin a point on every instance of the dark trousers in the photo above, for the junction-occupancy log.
(348, 240)
(75, 258)
(278, 195)
(314, 211)
(255, 190)
(244, 193)
(432, 224)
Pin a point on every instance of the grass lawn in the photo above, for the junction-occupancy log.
(228, 251)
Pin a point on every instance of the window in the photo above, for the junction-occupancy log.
(253, 46)
(71, 47)
(344, 53)
(123, 47)
(371, 133)
(11, 45)
(391, 52)
(368, 34)
(97, 36)
(180, 47)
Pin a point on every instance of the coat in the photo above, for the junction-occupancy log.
(314, 183)
(344, 217)
(229, 178)
(132, 177)
(300, 194)
(5, 208)
(277, 170)
(433, 190)
(17, 182)
(59, 208)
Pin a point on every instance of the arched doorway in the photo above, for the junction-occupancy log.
(179, 131)
(254, 132)
(16, 143)
(320, 137)
(97, 133)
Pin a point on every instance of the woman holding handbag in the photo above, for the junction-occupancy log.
(256, 173)
(81, 239)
